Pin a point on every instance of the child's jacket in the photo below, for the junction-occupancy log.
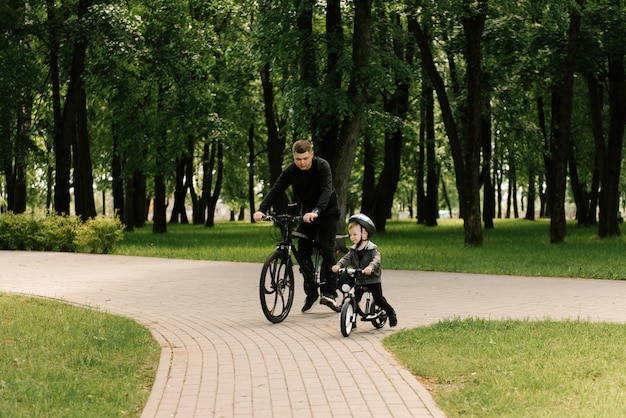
(367, 257)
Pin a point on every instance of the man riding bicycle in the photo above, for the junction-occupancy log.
(311, 181)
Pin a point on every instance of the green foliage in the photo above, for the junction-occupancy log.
(59, 360)
(518, 368)
(18, 232)
(59, 233)
(99, 235)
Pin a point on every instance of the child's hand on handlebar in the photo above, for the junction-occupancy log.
(258, 216)
(335, 268)
(367, 271)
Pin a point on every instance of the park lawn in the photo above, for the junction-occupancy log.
(513, 247)
(518, 368)
(60, 360)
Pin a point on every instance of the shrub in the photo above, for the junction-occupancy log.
(99, 235)
(59, 233)
(18, 232)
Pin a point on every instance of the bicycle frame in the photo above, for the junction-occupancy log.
(276, 288)
(350, 308)
(285, 222)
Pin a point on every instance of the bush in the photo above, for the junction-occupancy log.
(99, 235)
(59, 233)
(18, 232)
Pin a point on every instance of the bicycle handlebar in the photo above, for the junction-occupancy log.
(350, 271)
(282, 217)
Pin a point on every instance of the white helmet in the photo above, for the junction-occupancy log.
(365, 222)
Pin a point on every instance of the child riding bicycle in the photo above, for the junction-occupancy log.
(364, 255)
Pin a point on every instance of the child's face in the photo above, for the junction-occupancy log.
(357, 233)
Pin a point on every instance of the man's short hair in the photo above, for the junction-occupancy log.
(301, 146)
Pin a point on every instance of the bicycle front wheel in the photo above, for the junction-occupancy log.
(276, 287)
(347, 318)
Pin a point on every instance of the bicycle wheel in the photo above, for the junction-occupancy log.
(276, 287)
(347, 317)
(381, 318)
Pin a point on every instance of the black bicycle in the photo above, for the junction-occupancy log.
(276, 288)
(354, 305)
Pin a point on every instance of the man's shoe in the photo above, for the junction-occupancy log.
(329, 301)
(308, 303)
(393, 320)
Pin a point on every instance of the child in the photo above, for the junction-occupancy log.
(364, 255)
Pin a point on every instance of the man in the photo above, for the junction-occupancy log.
(311, 180)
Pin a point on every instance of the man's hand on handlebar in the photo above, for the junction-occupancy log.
(258, 216)
(310, 216)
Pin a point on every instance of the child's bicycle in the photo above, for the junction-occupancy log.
(354, 306)
(276, 287)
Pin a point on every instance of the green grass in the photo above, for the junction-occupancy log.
(513, 247)
(59, 360)
(481, 368)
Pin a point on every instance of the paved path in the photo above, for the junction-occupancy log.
(221, 358)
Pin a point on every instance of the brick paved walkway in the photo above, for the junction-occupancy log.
(221, 358)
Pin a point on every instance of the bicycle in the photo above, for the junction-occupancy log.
(353, 305)
(276, 287)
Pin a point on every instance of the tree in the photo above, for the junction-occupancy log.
(561, 131)
(466, 155)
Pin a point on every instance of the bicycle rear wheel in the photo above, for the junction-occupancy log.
(276, 287)
(381, 318)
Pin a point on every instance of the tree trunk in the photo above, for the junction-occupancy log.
(343, 158)
(580, 194)
(609, 197)
(473, 26)
(116, 173)
(6, 156)
(562, 105)
(532, 195)
(73, 131)
(159, 217)
(85, 205)
(179, 212)
(368, 195)
(428, 63)
(214, 197)
(397, 106)
(189, 172)
(426, 105)
(596, 109)
(307, 57)
(432, 166)
(489, 198)
(276, 141)
(251, 171)
(62, 149)
(17, 197)
(327, 123)
(135, 201)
